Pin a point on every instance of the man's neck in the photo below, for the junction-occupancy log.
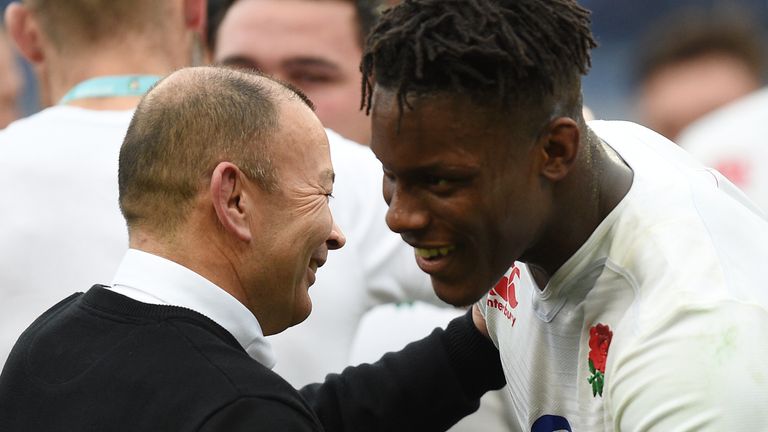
(67, 73)
(201, 253)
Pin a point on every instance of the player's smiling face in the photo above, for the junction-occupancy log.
(462, 189)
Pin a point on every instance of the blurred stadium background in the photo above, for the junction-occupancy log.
(618, 26)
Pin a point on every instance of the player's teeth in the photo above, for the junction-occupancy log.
(424, 253)
(431, 253)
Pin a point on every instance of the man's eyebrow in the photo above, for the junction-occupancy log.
(238, 61)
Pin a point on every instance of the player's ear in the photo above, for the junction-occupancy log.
(560, 147)
(229, 200)
(24, 29)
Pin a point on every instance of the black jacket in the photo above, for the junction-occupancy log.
(100, 361)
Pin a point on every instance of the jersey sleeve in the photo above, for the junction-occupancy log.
(482, 304)
(703, 369)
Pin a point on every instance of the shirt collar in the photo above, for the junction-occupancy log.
(152, 279)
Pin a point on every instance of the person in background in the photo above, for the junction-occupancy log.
(694, 61)
(622, 281)
(60, 226)
(224, 182)
(314, 45)
(731, 139)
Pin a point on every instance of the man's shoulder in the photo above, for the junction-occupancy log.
(55, 127)
(184, 383)
(217, 349)
(161, 359)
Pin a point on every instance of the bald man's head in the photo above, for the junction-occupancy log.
(187, 124)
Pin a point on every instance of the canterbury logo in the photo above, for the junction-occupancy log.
(505, 289)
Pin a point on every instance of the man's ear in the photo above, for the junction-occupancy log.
(229, 200)
(24, 29)
(560, 148)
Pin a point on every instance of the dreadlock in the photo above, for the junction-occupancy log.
(495, 51)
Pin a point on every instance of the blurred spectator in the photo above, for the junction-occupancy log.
(732, 140)
(10, 82)
(314, 45)
(60, 226)
(694, 61)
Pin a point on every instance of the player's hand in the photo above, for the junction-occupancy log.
(477, 317)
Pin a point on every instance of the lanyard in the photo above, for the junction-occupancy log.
(111, 86)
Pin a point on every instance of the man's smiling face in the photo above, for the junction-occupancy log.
(463, 188)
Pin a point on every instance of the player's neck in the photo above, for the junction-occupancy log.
(605, 179)
(68, 73)
(614, 179)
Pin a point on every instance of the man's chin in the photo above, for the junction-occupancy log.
(459, 295)
(300, 313)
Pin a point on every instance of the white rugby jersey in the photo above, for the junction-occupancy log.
(659, 322)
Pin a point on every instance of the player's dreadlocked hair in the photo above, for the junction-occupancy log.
(494, 51)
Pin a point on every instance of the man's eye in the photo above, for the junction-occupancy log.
(310, 78)
(437, 181)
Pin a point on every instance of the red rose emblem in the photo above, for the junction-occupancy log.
(599, 341)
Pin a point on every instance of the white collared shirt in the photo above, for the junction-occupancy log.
(152, 279)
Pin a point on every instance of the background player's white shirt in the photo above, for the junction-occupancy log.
(61, 231)
(734, 140)
(677, 273)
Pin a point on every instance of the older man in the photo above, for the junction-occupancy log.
(224, 184)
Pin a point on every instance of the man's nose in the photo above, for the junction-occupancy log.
(406, 212)
(336, 239)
